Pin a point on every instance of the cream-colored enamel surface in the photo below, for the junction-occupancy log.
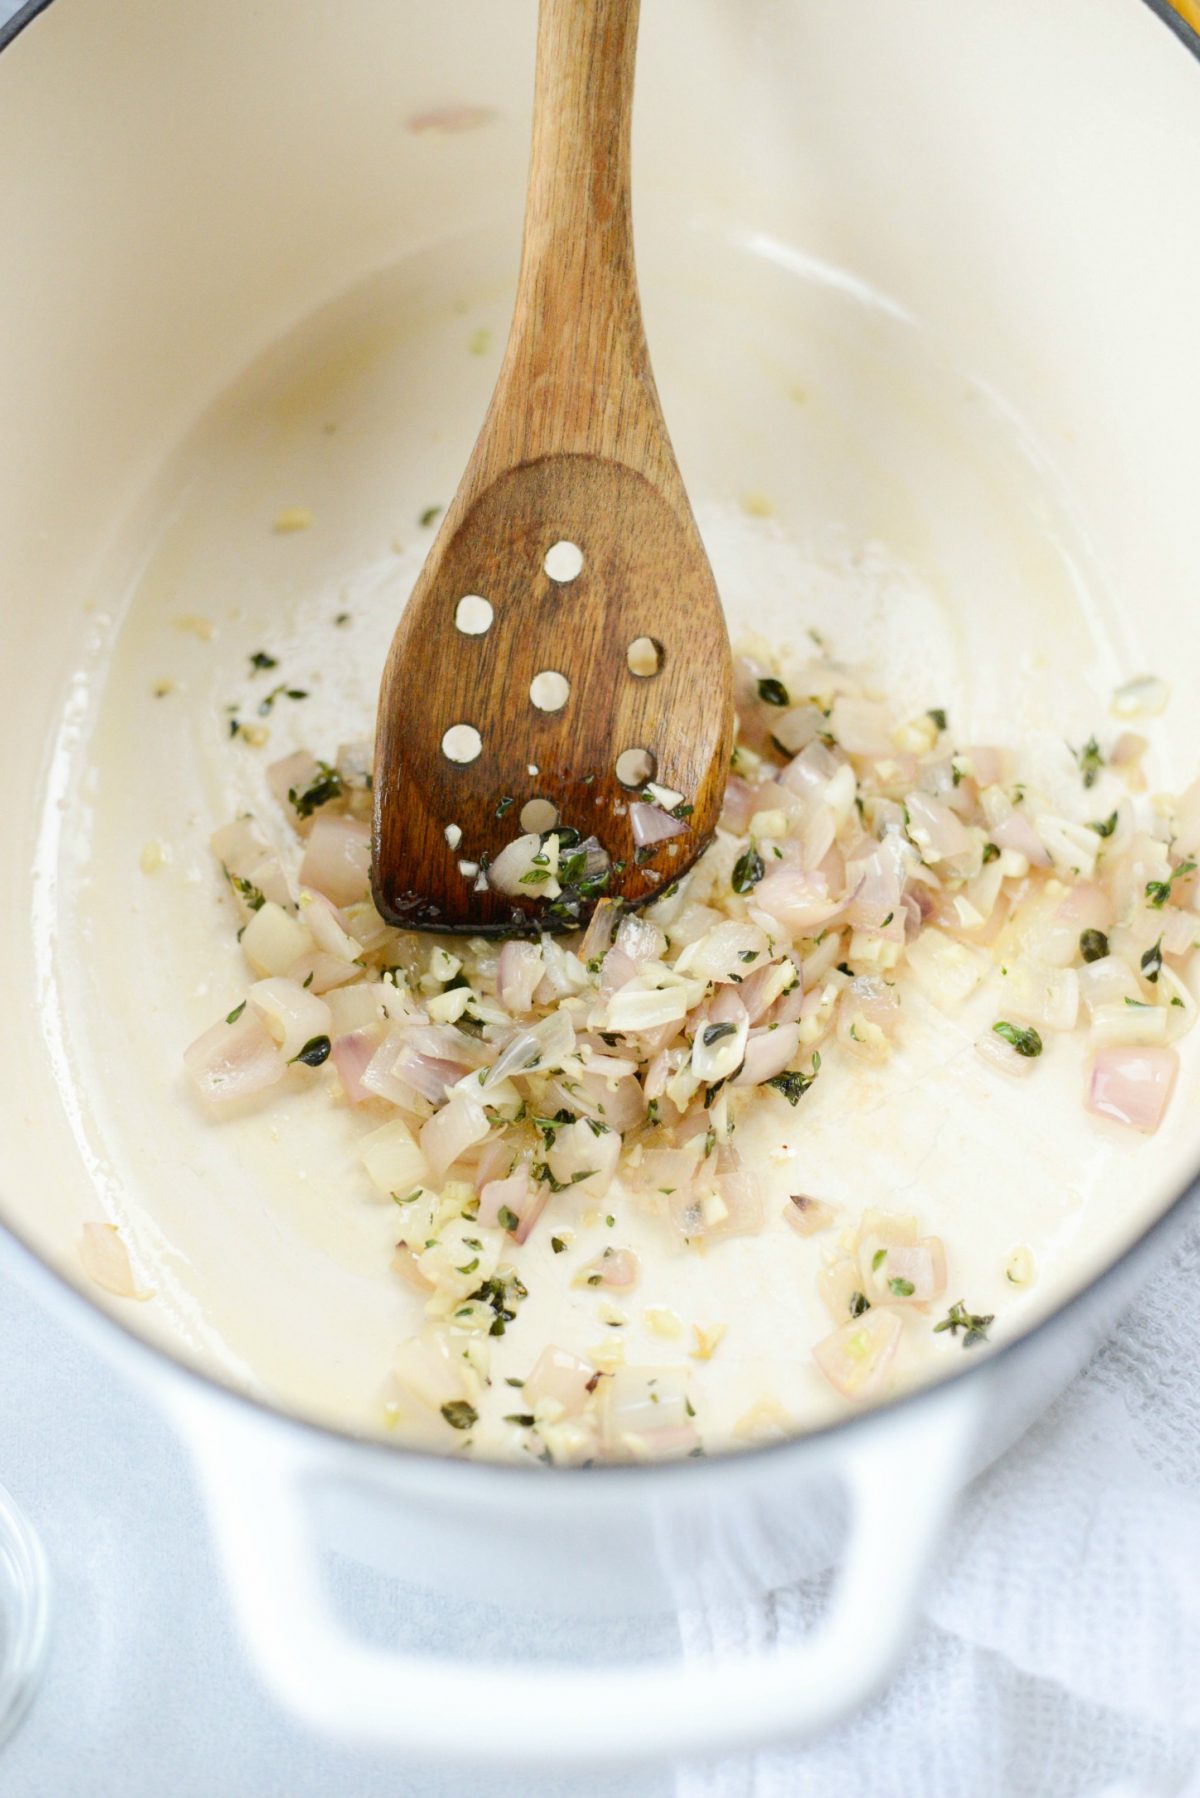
(930, 403)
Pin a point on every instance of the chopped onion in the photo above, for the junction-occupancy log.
(273, 940)
(234, 1061)
(731, 1204)
(947, 972)
(238, 847)
(1180, 931)
(517, 1197)
(494, 1160)
(619, 1103)
(450, 1132)
(768, 983)
(855, 1359)
(579, 1157)
(292, 1016)
(352, 1055)
(1107, 981)
(936, 831)
(616, 971)
(650, 824)
(767, 1053)
(320, 973)
(739, 805)
(106, 1261)
(720, 1043)
(561, 1377)
(294, 773)
(1132, 1086)
(518, 974)
(861, 727)
(1132, 1021)
(1015, 832)
(597, 938)
(726, 951)
(432, 1371)
(1048, 997)
(327, 926)
(392, 1159)
(337, 860)
(565, 973)
(617, 1269)
(909, 1274)
(646, 1413)
(515, 861)
(432, 1076)
(545, 1046)
(356, 1007)
(808, 1216)
(640, 940)
(637, 1008)
(798, 901)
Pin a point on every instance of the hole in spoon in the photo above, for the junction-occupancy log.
(461, 743)
(549, 690)
(644, 656)
(634, 767)
(563, 561)
(473, 615)
(539, 815)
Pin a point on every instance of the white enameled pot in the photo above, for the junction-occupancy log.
(983, 222)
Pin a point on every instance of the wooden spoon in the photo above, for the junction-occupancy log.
(573, 452)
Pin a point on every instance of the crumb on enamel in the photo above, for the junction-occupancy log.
(707, 1341)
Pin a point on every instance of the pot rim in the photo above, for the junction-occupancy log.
(62, 1292)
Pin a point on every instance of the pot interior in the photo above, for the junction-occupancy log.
(915, 289)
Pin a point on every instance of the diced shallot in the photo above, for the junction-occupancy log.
(518, 975)
(560, 1376)
(291, 1015)
(646, 1412)
(352, 1055)
(1132, 1085)
(337, 859)
(614, 1268)
(450, 1132)
(650, 824)
(799, 901)
(768, 1052)
(106, 1261)
(234, 1061)
(581, 1157)
(294, 774)
(393, 1161)
(1000, 1054)
(807, 1216)
(518, 1197)
(855, 1358)
(273, 940)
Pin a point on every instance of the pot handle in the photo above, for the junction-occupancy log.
(902, 1472)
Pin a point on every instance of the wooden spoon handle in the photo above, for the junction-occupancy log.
(576, 376)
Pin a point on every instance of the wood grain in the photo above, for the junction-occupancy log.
(574, 447)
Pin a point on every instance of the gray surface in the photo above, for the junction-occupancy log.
(144, 1675)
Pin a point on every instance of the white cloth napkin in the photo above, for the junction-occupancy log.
(1059, 1651)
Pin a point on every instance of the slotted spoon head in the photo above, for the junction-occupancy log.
(520, 673)
(644, 599)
